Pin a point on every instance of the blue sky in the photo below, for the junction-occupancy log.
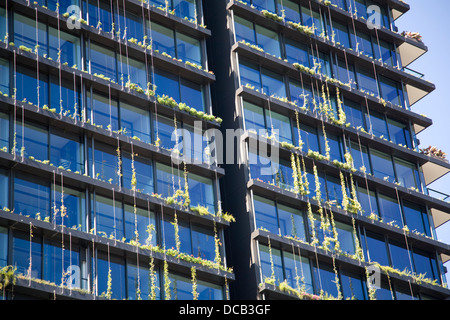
(430, 18)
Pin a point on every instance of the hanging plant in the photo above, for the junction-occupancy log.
(345, 201)
(272, 278)
(311, 219)
(152, 276)
(318, 195)
(336, 280)
(167, 282)
(295, 174)
(358, 250)
(109, 285)
(187, 199)
(176, 230)
(300, 142)
(194, 283)
(217, 258)
(133, 174)
(327, 145)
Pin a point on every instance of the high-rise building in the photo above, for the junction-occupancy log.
(328, 190)
(92, 204)
(342, 209)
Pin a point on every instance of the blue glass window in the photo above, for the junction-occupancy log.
(136, 225)
(65, 98)
(385, 52)
(425, 263)
(312, 19)
(244, 30)
(280, 123)
(70, 207)
(298, 266)
(416, 218)
(377, 124)
(188, 49)
(103, 111)
(320, 62)
(249, 73)
(399, 133)
(23, 251)
(63, 5)
(291, 222)
(407, 174)
(334, 190)
(260, 167)
(376, 247)
(131, 70)
(163, 128)
(163, 39)
(354, 114)
(116, 264)
(265, 214)
(345, 237)
(361, 43)
(31, 196)
(266, 267)
(192, 94)
(203, 245)
(209, 291)
(4, 187)
(360, 157)
(390, 210)
(300, 94)
(382, 166)
(26, 79)
(4, 76)
(3, 25)
(264, 5)
(296, 52)
(168, 180)
(58, 263)
(353, 286)
(367, 81)
(400, 256)
(4, 132)
(180, 288)
(268, 40)
(108, 218)
(100, 16)
(167, 83)
(135, 122)
(184, 234)
(105, 164)
(67, 45)
(3, 245)
(309, 138)
(103, 61)
(201, 192)
(32, 140)
(346, 72)
(130, 22)
(142, 282)
(368, 201)
(291, 10)
(327, 279)
(254, 117)
(66, 150)
(391, 91)
(341, 34)
(143, 173)
(186, 9)
(25, 33)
